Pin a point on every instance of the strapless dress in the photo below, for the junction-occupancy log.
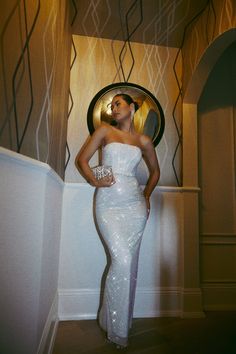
(121, 216)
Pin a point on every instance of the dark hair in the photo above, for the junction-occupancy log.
(128, 99)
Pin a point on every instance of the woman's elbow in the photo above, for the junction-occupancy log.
(78, 161)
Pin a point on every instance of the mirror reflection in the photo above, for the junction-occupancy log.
(148, 119)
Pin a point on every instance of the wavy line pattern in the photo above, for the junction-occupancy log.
(71, 102)
(7, 121)
(154, 63)
(49, 69)
(179, 98)
(18, 121)
(19, 138)
(32, 103)
(91, 13)
(137, 5)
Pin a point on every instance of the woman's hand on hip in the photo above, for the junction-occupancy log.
(107, 181)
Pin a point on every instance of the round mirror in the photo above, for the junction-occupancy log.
(148, 119)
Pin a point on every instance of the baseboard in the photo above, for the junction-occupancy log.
(157, 302)
(191, 303)
(77, 304)
(219, 296)
(52, 338)
(50, 329)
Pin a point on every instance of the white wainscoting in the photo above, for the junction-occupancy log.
(47, 226)
(30, 228)
(160, 289)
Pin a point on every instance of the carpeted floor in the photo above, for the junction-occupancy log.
(214, 334)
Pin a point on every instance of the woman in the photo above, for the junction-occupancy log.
(122, 209)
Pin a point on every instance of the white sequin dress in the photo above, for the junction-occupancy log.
(121, 215)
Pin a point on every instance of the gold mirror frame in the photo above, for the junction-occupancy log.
(148, 119)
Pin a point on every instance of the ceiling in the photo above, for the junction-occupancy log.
(159, 22)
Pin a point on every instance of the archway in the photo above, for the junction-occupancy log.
(223, 287)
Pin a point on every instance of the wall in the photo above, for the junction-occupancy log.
(96, 66)
(217, 157)
(169, 276)
(30, 226)
(35, 78)
(207, 38)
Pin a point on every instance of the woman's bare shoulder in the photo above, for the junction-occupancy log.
(102, 133)
(102, 130)
(145, 141)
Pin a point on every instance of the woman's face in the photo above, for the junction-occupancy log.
(120, 109)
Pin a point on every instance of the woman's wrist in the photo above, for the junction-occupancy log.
(93, 183)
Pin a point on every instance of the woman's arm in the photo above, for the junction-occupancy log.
(150, 157)
(85, 154)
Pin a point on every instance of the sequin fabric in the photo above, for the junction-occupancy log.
(121, 215)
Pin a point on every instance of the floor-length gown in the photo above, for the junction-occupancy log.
(121, 216)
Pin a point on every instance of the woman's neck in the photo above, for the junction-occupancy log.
(126, 127)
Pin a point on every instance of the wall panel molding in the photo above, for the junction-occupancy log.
(212, 239)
